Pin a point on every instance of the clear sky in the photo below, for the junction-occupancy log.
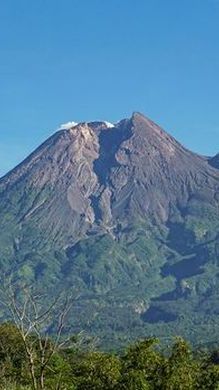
(81, 60)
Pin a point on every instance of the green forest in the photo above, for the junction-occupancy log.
(79, 366)
(39, 351)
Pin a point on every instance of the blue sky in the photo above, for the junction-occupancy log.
(103, 59)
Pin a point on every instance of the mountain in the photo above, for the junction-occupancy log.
(128, 219)
(214, 161)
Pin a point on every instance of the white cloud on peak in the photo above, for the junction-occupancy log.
(68, 125)
(109, 125)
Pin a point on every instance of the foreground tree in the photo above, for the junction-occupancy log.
(13, 362)
(181, 371)
(33, 321)
(142, 366)
(98, 371)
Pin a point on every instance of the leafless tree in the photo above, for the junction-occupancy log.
(33, 320)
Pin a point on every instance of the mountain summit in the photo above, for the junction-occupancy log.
(125, 215)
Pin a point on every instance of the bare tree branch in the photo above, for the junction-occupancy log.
(27, 311)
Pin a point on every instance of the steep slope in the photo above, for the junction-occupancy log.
(214, 161)
(124, 215)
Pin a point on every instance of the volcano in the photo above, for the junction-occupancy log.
(128, 219)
